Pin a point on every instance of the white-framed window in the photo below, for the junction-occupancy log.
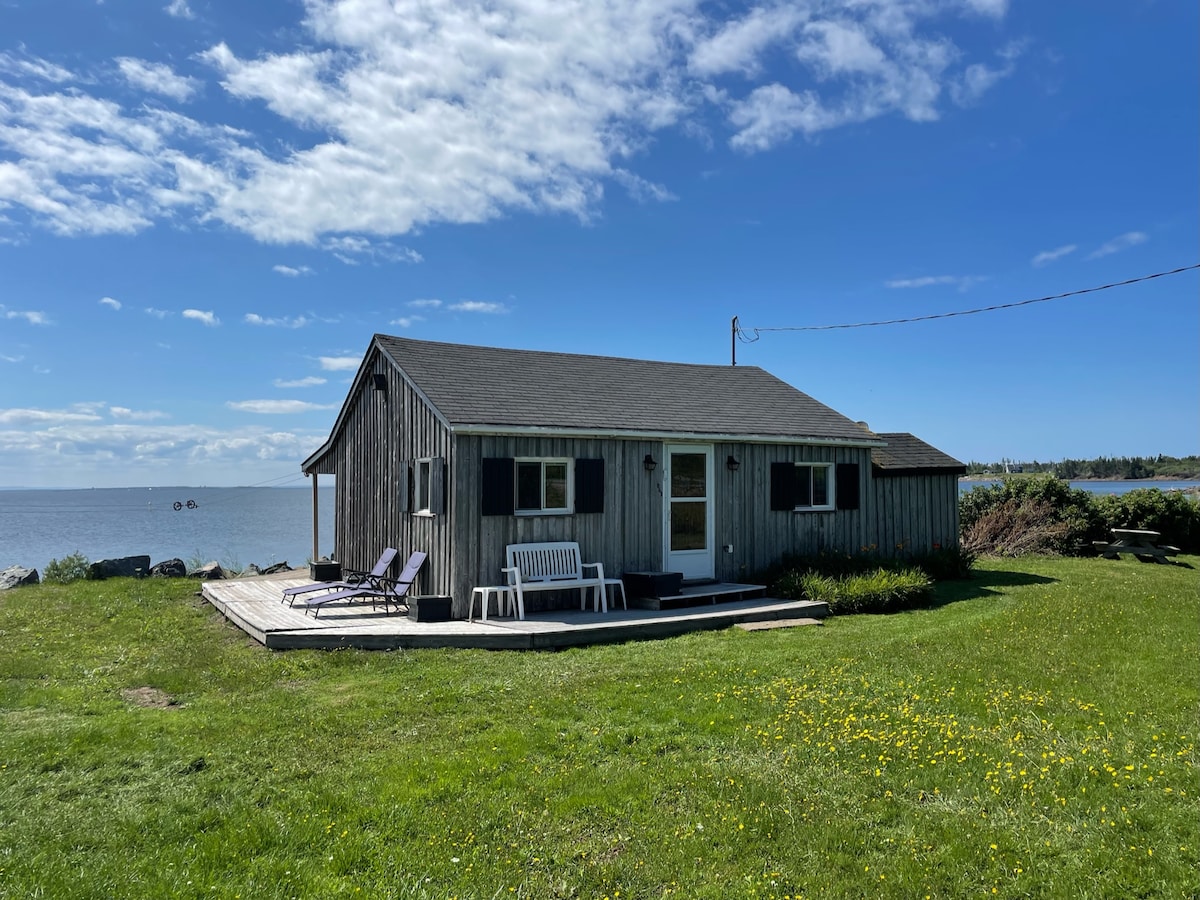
(543, 486)
(422, 485)
(814, 485)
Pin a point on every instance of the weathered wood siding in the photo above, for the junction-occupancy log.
(626, 537)
(913, 512)
(761, 536)
(383, 431)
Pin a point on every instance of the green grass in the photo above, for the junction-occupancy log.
(1033, 735)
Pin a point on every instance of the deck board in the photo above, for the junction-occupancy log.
(253, 605)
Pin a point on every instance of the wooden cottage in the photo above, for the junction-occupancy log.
(712, 471)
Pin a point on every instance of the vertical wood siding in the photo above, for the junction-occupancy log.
(914, 512)
(382, 432)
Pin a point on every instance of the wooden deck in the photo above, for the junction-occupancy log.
(253, 604)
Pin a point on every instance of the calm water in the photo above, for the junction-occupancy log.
(231, 525)
(1105, 487)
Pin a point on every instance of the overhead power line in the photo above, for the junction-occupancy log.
(753, 334)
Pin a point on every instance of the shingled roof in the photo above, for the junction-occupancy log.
(906, 454)
(486, 388)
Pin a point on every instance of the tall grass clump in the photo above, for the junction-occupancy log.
(880, 591)
(73, 567)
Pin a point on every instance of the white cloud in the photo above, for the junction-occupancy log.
(110, 302)
(200, 315)
(407, 321)
(281, 322)
(1048, 256)
(157, 313)
(400, 114)
(124, 412)
(277, 407)
(292, 271)
(339, 363)
(33, 317)
(36, 68)
(179, 9)
(11, 359)
(157, 78)
(309, 381)
(736, 46)
(478, 306)
(424, 304)
(962, 282)
(1119, 243)
(27, 416)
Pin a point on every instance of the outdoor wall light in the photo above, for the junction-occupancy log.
(732, 464)
(648, 463)
(379, 382)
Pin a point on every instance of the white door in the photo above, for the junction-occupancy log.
(688, 510)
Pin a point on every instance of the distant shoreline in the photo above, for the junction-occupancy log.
(1149, 480)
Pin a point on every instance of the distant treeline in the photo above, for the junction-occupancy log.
(1106, 467)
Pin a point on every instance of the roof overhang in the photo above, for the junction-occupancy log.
(683, 436)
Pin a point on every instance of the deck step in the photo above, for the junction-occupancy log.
(701, 595)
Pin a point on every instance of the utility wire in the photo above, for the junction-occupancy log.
(745, 336)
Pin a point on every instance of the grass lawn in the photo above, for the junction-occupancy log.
(1035, 735)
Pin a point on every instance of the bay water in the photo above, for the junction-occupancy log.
(234, 526)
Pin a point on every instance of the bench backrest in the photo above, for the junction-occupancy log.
(551, 561)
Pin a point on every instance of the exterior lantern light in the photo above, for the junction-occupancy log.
(648, 463)
(732, 464)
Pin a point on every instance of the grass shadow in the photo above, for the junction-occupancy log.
(984, 583)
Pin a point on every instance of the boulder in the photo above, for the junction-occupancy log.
(169, 568)
(124, 567)
(208, 572)
(278, 567)
(16, 576)
(250, 571)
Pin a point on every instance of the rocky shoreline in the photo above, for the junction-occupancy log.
(139, 567)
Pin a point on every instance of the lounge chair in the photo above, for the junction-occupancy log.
(352, 579)
(383, 590)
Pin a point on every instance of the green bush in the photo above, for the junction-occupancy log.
(880, 591)
(1171, 513)
(71, 568)
(1066, 519)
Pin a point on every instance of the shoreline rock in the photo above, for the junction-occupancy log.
(18, 576)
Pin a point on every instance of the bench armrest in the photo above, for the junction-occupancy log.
(599, 567)
(513, 573)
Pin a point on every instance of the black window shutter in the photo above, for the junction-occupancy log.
(847, 486)
(406, 487)
(437, 485)
(783, 485)
(497, 490)
(589, 486)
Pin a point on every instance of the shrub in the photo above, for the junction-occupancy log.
(881, 590)
(945, 563)
(1064, 518)
(71, 568)
(1171, 513)
(874, 592)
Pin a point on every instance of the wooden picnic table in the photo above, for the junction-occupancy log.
(1140, 542)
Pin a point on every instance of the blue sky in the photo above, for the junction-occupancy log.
(208, 208)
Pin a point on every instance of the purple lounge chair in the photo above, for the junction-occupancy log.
(352, 579)
(384, 590)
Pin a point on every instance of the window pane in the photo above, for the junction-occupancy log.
(804, 486)
(529, 485)
(556, 486)
(423, 485)
(820, 493)
(687, 475)
(688, 525)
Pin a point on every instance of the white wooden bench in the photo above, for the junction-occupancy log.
(553, 566)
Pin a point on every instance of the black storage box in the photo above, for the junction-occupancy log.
(429, 609)
(325, 570)
(653, 584)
